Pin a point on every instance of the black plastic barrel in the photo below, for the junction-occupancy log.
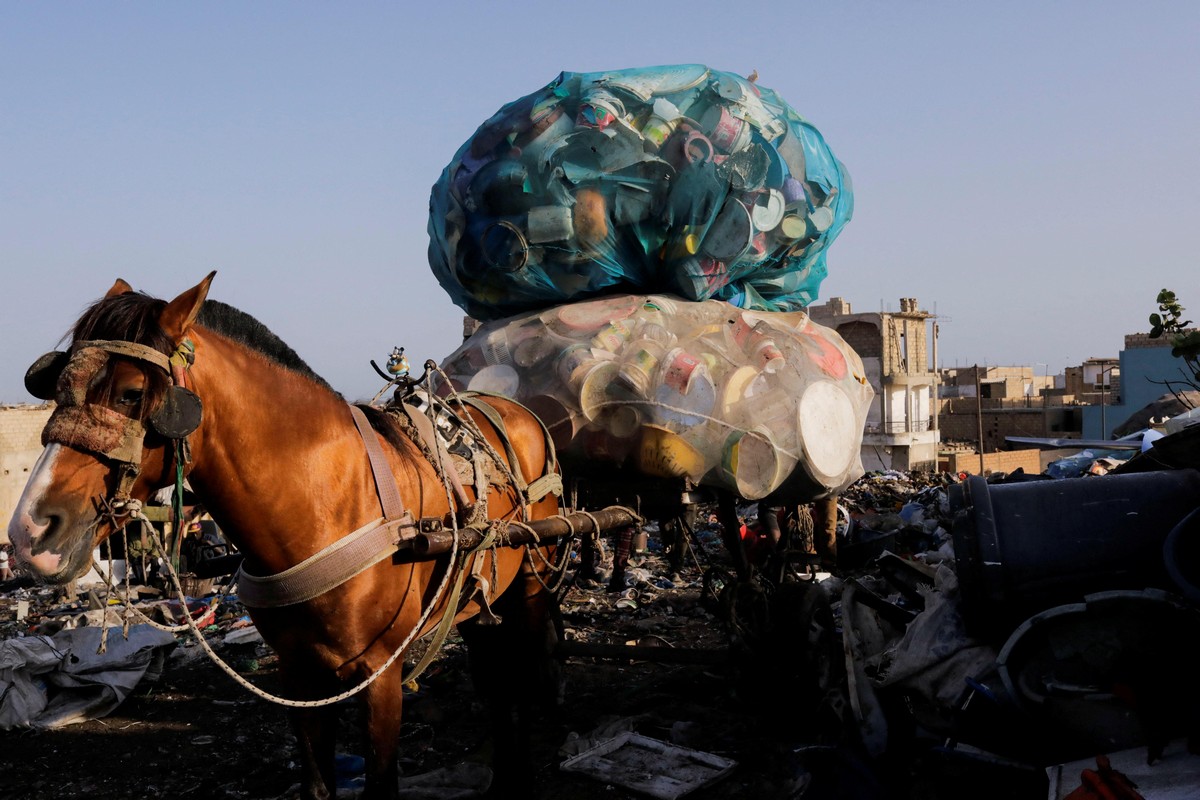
(1182, 555)
(1021, 548)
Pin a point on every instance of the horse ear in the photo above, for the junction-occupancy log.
(181, 312)
(120, 287)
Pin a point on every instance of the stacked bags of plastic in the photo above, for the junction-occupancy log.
(723, 396)
(641, 244)
(678, 179)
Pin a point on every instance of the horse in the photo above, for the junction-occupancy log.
(153, 392)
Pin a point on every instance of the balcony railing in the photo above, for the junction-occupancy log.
(901, 426)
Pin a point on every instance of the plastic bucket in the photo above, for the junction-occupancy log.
(1061, 665)
(1024, 547)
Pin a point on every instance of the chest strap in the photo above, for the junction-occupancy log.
(327, 568)
(348, 556)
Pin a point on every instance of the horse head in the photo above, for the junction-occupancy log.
(122, 408)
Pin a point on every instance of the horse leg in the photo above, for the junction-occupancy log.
(384, 701)
(824, 514)
(492, 674)
(315, 729)
(621, 550)
(513, 670)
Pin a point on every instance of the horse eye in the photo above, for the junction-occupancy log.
(130, 397)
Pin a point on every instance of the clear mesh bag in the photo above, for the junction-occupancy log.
(745, 400)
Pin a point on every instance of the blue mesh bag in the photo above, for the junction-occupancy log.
(676, 179)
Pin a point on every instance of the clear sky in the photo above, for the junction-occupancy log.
(1028, 170)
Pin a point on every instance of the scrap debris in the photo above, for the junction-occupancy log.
(874, 660)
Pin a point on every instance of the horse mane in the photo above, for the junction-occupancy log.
(228, 321)
(133, 316)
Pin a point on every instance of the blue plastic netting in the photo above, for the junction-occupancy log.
(676, 179)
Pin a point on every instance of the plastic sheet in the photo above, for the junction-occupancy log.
(704, 390)
(673, 179)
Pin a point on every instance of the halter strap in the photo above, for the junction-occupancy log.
(130, 349)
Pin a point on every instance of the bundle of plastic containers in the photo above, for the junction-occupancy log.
(723, 396)
(640, 245)
(678, 179)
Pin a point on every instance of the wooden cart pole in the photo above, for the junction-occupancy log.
(428, 544)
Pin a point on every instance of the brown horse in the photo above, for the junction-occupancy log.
(278, 460)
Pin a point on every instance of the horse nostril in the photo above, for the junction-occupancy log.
(53, 523)
(43, 530)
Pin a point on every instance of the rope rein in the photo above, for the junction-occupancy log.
(198, 635)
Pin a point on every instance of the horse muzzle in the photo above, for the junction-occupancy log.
(53, 542)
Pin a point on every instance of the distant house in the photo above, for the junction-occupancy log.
(1142, 371)
(895, 347)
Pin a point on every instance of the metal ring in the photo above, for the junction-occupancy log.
(522, 246)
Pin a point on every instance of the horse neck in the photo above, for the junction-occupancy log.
(277, 460)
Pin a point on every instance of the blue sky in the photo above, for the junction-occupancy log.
(1028, 170)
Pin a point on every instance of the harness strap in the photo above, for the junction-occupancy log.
(327, 568)
(385, 481)
(130, 349)
(493, 416)
(424, 429)
(444, 625)
(550, 482)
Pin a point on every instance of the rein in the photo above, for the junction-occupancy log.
(121, 439)
(389, 499)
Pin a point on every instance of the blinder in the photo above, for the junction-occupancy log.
(179, 414)
(41, 379)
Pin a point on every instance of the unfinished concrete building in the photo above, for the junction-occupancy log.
(899, 353)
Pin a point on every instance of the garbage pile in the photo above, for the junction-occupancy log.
(1022, 629)
(66, 659)
(641, 244)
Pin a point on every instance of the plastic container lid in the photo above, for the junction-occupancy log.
(828, 432)
(593, 391)
(751, 460)
(738, 386)
(534, 350)
(821, 218)
(622, 421)
(768, 210)
(595, 314)
(498, 379)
